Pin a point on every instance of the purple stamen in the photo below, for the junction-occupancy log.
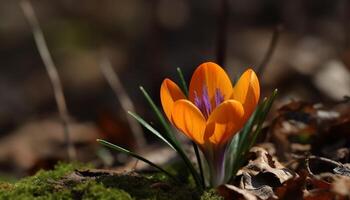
(219, 98)
(206, 101)
(203, 102)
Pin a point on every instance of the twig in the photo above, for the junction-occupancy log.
(271, 49)
(52, 72)
(222, 32)
(125, 101)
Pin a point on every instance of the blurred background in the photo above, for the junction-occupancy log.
(145, 41)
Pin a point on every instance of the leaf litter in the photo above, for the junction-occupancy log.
(303, 155)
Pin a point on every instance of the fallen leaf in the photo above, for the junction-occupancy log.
(341, 185)
(293, 186)
(263, 173)
(233, 192)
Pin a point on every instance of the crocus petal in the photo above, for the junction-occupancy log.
(224, 122)
(189, 120)
(169, 93)
(247, 91)
(212, 77)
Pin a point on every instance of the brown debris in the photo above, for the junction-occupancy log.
(263, 173)
(301, 128)
(233, 192)
(293, 186)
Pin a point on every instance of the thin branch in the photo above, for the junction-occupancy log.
(271, 49)
(125, 101)
(52, 72)
(222, 32)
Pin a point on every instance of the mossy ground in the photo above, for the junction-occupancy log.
(50, 185)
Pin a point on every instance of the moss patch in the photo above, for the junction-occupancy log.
(211, 195)
(65, 182)
(94, 190)
(141, 187)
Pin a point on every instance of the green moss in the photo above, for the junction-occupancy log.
(5, 186)
(47, 185)
(184, 176)
(141, 187)
(211, 195)
(94, 190)
(54, 185)
(40, 186)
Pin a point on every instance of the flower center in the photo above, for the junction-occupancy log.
(203, 102)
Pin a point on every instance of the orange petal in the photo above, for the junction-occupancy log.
(169, 93)
(247, 91)
(189, 120)
(213, 77)
(224, 122)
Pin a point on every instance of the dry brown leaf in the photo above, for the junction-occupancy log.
(320, 195)
(263, 173)
(334, 141)
(265, 163)
(325, 128)
(233, 192)
(257, 185)
(294, 121)
(293, 186)
(341, 185)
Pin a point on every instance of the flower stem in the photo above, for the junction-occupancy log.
(216, 164)
(196, 151)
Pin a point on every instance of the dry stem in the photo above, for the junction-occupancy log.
(125, 101)
(52, 72)
(271, 49)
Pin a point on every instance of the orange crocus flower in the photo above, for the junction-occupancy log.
(214, 110)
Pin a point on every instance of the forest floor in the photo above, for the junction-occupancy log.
(303, 153)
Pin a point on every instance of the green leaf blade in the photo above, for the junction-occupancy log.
(151, 129)
(248, 136)
(182, 81)
(171, 137)
(130, 153)
(155, 109)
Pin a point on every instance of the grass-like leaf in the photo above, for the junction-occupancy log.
(231, 155)
(160, 116)
(151, 129)
(130, 153)
(239, 143)
(242, 142)
(262, 116)
(269, 104)
(182, 81)
(171, 139)
(247, 133)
